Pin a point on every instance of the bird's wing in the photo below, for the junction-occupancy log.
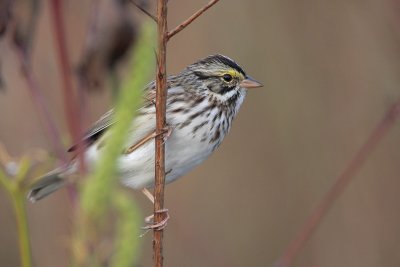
(97, 130)
(107, 120)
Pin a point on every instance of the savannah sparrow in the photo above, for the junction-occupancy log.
(202, 102)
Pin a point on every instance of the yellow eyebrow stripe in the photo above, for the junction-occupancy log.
(233, 73)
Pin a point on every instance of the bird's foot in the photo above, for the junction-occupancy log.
(155, 226)
(166, 133)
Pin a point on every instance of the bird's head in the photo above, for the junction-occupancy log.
(221, 76)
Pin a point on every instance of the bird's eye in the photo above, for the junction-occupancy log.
(227, 77)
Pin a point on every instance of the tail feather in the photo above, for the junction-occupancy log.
(47, 184)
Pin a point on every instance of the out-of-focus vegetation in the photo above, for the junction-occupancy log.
(100, 190)
(14, 180)
(100, 195)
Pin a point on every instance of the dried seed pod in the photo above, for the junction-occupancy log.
(111, 34)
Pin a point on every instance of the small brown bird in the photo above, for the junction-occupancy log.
(202, 102)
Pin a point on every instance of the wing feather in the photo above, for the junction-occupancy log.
(97, 130)
(107, 120)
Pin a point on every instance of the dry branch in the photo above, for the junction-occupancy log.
(69, 94)
(161, 100)
(341, 182)
(184, 24)
(39, 101)
(72, 109)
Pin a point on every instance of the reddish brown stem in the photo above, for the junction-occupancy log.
(338, 187)
(72, 110)
(37, 97)
(184, 24)
(161, 99)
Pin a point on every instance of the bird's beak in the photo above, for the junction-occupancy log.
(250, 83)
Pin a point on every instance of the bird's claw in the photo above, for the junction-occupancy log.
(156, 226)
(166, 133)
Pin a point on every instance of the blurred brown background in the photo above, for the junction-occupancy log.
(330, 71)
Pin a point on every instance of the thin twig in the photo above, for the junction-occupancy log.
(340, 184)
(144, 10)
(161, 103)
(184, 24)
(69, 94)
(38, 99)
(72, 109)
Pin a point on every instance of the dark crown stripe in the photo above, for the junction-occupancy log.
(224, 60)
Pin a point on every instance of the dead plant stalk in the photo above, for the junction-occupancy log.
(161, 97)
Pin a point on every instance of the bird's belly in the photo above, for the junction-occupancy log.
(184, 151)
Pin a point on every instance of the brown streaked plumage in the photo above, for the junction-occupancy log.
(202, 102)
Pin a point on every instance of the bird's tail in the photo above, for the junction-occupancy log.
(48, 184)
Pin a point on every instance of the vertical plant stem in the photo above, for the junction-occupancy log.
(72, 109)
(161, 96)
(18, 200)
(14, 187)
(69, 94)
(38, 99)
